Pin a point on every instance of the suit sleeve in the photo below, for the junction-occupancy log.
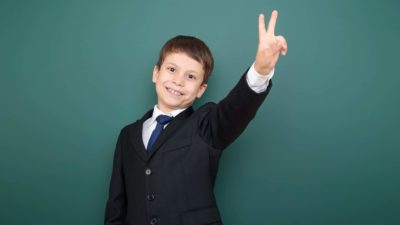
(116, 204)
(222, 123)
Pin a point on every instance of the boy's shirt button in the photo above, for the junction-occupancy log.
(148, 172)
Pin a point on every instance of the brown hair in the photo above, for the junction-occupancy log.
(194, 48)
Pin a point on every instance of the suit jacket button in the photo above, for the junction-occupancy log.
(148, 172)
(151, 196)
(153, 221)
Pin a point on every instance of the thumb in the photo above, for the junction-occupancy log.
(283, 47)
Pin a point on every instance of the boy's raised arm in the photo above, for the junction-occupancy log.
(232, 114)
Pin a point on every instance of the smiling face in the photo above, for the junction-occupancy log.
(179, 81)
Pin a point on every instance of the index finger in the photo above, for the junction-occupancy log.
(272, 22)
(261, 23)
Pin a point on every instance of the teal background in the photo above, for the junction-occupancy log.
(323, 149)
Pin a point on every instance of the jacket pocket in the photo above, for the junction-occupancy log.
(201, 216)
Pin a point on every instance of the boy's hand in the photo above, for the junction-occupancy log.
(269, 45)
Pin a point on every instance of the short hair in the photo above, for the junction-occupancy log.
(194, 48)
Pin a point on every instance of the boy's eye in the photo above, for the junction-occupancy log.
(172, 69)
(191, 77)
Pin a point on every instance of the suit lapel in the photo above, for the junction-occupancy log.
(169, 130)
(137, 137)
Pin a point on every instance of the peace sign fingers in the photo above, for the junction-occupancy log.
(262, 31)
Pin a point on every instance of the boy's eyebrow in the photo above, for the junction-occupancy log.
(172, 64)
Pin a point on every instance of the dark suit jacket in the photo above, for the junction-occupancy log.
(173, 184)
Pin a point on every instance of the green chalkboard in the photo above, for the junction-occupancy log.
(323, 149)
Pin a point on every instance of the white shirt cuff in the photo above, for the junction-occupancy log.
(258, 82)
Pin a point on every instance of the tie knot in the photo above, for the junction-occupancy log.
(163, 119)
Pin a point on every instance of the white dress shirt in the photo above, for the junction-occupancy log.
(257, 82)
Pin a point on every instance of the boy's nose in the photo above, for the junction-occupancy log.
(178, 80)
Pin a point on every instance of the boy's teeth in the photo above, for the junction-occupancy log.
(174, 92)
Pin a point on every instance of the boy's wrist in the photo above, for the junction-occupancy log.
(256, 81)
(264, 71)
(259, 77)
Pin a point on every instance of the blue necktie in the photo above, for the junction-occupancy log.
(161, 121)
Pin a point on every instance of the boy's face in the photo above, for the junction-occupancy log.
(178, 82)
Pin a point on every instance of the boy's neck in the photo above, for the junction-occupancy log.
(169, 112)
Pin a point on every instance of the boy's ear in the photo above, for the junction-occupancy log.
(155, 73)
(201, 91)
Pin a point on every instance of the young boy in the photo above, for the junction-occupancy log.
(165, 164)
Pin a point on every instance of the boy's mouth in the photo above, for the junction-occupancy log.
(174, 92)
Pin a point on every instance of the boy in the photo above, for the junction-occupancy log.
(165, 164)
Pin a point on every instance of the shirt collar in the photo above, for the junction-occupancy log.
(157, 112)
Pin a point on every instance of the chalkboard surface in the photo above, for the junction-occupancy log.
(323, 149)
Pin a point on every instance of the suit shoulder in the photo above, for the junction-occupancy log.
(206, 107)
(203, 112)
